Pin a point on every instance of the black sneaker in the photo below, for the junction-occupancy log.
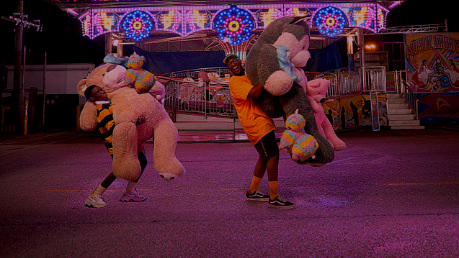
(257, 196)
(280, 203)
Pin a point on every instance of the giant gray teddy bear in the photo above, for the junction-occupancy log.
(275, 61)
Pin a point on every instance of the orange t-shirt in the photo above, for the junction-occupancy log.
(254, 121)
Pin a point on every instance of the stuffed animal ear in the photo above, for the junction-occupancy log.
(298, 19)
(81, 86)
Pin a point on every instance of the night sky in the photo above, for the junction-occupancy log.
(63, 41)
(61, 36)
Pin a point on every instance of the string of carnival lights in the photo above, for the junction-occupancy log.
(233, 24)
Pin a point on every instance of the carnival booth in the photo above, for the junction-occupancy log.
(433, 75)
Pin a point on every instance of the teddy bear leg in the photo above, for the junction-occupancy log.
(125, 162)
(165, 162)
(296, 99)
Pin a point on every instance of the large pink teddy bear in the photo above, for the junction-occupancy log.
(316, 91)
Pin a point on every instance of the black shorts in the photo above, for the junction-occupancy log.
(267, 146)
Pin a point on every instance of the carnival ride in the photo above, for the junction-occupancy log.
(231, 26)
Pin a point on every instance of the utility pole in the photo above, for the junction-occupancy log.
(18, 84)
(21, 22)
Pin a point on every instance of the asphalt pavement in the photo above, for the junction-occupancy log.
(389, 194)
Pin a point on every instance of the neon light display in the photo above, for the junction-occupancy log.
(330, 21)
(234, 25)
(137, 25)
(295, 12)
(271, 15)
(381, 18)
(172, 20)
(366, 17)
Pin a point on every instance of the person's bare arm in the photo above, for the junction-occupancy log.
(255, 92)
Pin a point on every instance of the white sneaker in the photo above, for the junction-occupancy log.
(95, 201)
(132, 196)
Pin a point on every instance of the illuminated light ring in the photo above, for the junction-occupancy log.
(234, 25)
(137, 25)
(330, 21)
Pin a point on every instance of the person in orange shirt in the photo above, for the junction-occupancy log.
(259, 128)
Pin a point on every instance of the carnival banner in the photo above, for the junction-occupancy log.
(432, 61)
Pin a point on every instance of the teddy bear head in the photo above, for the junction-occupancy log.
(292, 32)
(109, 77)
(114, 58)
(317, 91)
(295, 122)
(135, 61)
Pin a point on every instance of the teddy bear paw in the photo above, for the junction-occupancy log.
(339, 146)
(278, 83)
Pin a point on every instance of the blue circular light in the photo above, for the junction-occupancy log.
(234, 25)
(330, 21)
(137, 25)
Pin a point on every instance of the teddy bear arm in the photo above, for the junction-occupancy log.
(88, 117)
(275, 80)
(316, 107)
(158, 90)
(320, 122)
(267, 64)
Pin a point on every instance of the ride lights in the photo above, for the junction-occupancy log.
(330, 21)
(137, 25)
(234, 25)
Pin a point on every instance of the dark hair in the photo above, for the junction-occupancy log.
(87, 92)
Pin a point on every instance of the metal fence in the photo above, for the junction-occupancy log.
(401, 87)
(374, 79)
(200, 91)
(206, 91)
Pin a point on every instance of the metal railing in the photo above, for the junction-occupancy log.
(187, 92)
(374, 79)
(364, 80)
(401, 87)
(349, 82)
